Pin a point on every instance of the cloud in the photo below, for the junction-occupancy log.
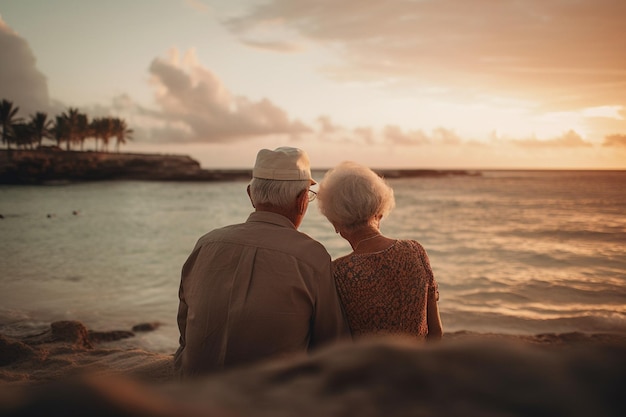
(439, 136)
(270, 34)
(193, 99)
(609, 112)
(327, 126)
(285, 47)
(396, 136)
(569, 139)
(446, 137)
(365, 134)
(20, 80)
(393, 136)
(569, 53)
(198, 6)
(615, 140)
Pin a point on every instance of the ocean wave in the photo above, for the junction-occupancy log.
(512, 321)
(614, 234)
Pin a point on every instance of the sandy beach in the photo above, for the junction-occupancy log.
(70, 370)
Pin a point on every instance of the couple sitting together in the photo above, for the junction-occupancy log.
(262, 289)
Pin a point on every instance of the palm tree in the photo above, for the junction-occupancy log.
(121, 132)
(23, 135)
(102, 128)
(72, 126)
(95, 130)
(107, 129)
(84, 129)
(8, 119)
(41, 126)
(60, 130)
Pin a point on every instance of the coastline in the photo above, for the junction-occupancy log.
(465, 374)
(55, 166)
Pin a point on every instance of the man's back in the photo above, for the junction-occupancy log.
(255, 290)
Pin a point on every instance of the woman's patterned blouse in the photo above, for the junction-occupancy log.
(386, 292)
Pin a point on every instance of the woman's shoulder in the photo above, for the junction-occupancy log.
(410, 244)
(400, 248)
(342, 260)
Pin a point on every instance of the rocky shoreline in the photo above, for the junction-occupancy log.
(68, 347)
(70, 370)
(57, 166)
(53, 166)
(35, 358)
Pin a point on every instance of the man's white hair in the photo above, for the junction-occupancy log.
(276, 193)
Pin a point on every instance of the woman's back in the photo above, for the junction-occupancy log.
(386, 292)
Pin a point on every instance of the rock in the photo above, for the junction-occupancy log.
(109, 336)
(391, 378)
(57, 166)
(74, 332)
(13, 351)
(146, 327)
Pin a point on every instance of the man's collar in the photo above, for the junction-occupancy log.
(270, 217)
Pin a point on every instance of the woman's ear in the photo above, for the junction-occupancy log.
(378, 218)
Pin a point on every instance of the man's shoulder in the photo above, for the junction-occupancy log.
(313, 244)
(291, 241)
(266, 235)
(220, 232)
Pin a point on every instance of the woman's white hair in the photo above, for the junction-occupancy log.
(276, 193)
(351, 195)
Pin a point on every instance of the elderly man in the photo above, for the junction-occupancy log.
(259, 289)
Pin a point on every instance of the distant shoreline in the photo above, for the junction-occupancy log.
(52, 165)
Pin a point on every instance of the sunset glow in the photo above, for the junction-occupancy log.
(425, 83)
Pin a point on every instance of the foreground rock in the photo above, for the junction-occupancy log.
(466, 374)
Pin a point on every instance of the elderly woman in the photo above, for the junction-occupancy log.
(386, 285)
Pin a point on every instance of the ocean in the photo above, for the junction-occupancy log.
(514, 252)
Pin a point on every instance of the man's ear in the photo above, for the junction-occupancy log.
(302, 200)
(249, 196)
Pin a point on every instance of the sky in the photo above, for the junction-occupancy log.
(443, 84)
